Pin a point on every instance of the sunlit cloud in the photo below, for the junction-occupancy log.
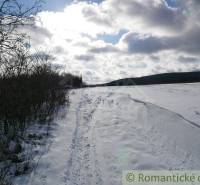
(150, 37)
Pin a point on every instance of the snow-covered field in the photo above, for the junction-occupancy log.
(111, 129)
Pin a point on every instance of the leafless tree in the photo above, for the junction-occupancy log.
(12, 16)
(30, 89)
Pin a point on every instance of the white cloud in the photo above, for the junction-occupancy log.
(159, 38)
(78, 18)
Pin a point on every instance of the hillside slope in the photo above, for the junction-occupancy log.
(165, 78)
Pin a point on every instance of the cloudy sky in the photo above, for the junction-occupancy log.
(112, 39)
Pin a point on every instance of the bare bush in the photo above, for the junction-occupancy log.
(31, 89)
(30, 94)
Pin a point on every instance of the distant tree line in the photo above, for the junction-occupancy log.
(165, 78)
(70, 81)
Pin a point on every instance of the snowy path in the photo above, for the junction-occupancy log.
(115, 132)
(106, 132)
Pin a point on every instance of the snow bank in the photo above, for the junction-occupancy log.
(108, 130)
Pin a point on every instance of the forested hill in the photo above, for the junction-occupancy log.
(165, 78)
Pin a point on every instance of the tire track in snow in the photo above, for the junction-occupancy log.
(74, 143)
(83, 165)
(91, 165)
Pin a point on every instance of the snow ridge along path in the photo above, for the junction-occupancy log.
(107, 132)
(115, 132)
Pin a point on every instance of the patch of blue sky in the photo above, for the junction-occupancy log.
(114, 39)
(173, 3)
(94, 1)
(59, 5)
(49, 5)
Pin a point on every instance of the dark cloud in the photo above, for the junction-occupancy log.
(120, 65)
(188, 42)
(105, 49)
(148, 44)
(154, 58)
(160, 15)
(59, 50)
(91, 15)
(88, 73)
(39, 32)
(80, 44)
(189, 3)
(149, 14)
(188, 59)
(122, 73)
(85, 57)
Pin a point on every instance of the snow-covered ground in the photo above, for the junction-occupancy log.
(111, 129)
